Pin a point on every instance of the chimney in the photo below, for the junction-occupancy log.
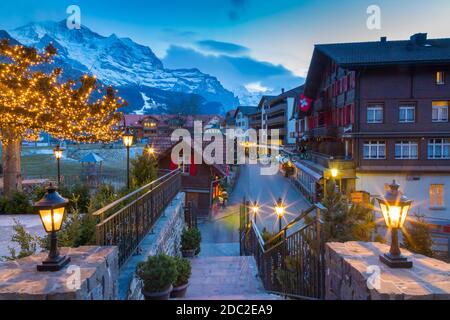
(282, 90)
(419, 39)
(383, 39)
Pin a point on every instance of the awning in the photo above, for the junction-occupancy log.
(317, 176)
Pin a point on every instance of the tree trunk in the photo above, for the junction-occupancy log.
(12, 177)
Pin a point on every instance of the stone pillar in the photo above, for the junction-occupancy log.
(91, 275)
(354, 272)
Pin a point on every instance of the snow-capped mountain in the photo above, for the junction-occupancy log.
(134, 69)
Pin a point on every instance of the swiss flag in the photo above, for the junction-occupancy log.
(304, 103)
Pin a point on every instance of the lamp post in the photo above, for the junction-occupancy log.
(279, 210)
(150, 151)
(58, 152)
(51, 210)
(395, 207)
(255, 209)
(127, 139)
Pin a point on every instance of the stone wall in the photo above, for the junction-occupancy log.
(354, 272)
(165, 238)
(91, 275)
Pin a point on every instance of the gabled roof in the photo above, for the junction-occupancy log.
(265, 98)
(246, 110)
(418, 49)
(91, 158)
(293, 93)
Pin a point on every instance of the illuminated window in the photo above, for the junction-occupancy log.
(440, 77)
(440, 111)
(437, 195)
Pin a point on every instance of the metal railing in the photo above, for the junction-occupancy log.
(125, 222)
(290, 264)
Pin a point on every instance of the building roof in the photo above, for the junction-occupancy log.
(246, 110)
(293, 93)
(418, 49)
(265, 98)
(91, 158)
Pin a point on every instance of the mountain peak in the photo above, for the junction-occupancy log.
(119, 61)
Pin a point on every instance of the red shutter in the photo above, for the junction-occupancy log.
(193, 167)
(353, 113)
(172, 166)
(345, 116)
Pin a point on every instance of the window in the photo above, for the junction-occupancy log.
(406, 150)
(437, 195)
(407, 113)
(439, 149)
(374, 150)
(440, 111)
(440, 77)
(375, 114)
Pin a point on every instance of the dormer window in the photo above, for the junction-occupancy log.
(440, 77)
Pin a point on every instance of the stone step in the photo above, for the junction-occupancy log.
(226, 278)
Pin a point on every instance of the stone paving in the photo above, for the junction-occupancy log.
(219, 273)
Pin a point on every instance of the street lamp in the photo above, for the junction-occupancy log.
(51, 210)
(127, 139)
(150, 151)
(334, 173)
(279, 210)
(255, 209)
(58, 152)
(395, 207)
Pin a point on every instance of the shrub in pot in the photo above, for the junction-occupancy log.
(158, 274)
(181, 284)
(190, 242)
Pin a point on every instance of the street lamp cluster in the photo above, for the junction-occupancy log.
(280, 209)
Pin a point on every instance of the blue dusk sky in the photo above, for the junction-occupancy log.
(254, 36)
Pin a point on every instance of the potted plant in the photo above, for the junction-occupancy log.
(158, 274)
(183, 274)
(190, 242)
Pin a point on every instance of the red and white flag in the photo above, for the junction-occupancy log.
(304, 103)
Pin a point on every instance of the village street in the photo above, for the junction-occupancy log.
(222, 232)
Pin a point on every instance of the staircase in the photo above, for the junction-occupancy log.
(220, 273)
(226, 278)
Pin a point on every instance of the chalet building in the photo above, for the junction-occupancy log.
(379, 113)
(153, 126)
(275, 112)
(199, 181)
(230, 120)
(242, 117)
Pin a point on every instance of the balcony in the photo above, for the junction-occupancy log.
(276, 121)
(325, 131)
(327, 161)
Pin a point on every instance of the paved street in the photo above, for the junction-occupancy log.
(252, 185)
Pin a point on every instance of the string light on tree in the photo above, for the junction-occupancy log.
(33, 101)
